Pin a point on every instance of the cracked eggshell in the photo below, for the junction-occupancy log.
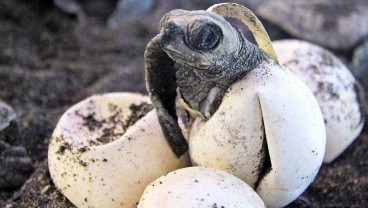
(199, 187)
(268, 115)
(334, 87)
(95, 162)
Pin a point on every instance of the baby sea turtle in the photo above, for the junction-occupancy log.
(333, 24)
(201, 54)
(252, 117)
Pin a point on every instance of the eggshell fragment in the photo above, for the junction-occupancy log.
(96, 162)
(334, 87)
(199, 187)
(268, 115)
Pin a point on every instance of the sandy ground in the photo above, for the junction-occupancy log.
(49, 61)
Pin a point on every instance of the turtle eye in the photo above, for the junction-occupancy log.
(206, 38)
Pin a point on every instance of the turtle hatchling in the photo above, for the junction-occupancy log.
(251, 117)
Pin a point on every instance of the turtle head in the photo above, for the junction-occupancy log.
(200, 39)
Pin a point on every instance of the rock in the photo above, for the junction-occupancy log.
(336, 25)
(7, 114)
(360, 63)
(114, 12)
(128, 8)
(71, 7)
(15, 166)
(85, 10)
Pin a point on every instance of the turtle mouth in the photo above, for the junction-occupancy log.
(192, 61)
(177, 56)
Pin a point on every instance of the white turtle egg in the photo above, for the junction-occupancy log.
(334, 87)
(199, 187)
(268, 115)
(105, 150)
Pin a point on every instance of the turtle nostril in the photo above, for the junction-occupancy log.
(165, 40)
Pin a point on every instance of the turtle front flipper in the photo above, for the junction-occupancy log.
(161, 86)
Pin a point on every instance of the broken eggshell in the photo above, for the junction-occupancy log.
(106, 149)
(269, 115)
(199, 187)
(268, 129)
(334, 87)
